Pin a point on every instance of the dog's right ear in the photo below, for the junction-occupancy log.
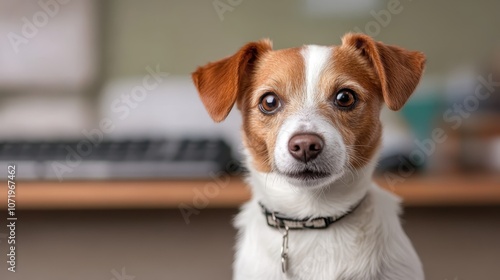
(219, 83)
(399, 70)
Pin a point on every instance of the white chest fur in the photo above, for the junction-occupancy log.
(367, 244)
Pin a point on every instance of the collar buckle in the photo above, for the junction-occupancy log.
(317, 223)
(277, 221)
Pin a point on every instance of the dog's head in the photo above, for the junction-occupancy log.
(310, 113)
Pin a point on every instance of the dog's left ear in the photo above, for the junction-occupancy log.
(219, 83)
(399, 70)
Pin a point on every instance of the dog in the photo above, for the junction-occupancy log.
(311, 132)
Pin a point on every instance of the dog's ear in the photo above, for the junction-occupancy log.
(219, 83)
(399, 70)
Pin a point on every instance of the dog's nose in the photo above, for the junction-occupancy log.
(305, 147)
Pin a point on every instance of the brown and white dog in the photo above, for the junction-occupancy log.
(311, 132)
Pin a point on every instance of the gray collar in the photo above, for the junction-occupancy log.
(278, 220)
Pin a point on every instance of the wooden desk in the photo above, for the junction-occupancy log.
(417, 191)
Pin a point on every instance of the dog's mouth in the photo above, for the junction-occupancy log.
(307, 175)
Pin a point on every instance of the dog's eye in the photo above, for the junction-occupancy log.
(269, 103)
(345, 99)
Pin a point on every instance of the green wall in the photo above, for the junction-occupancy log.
(179, 35)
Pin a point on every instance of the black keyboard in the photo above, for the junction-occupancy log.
(125, 159)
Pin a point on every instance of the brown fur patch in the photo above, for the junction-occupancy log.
(220, 83)
(376, 72)
(360, 127)
(281, 72)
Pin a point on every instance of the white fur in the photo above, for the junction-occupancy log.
(368, 244)
(315, 58)
(308, 121)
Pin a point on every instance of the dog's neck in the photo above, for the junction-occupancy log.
(332, 200)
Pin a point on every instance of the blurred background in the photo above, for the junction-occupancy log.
(121, 173)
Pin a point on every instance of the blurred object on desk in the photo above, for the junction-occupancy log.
(124, 159)
(170, 107)
(472, 120)
(451, 129)
(48, 44)
(406, 134)
(50, 68)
